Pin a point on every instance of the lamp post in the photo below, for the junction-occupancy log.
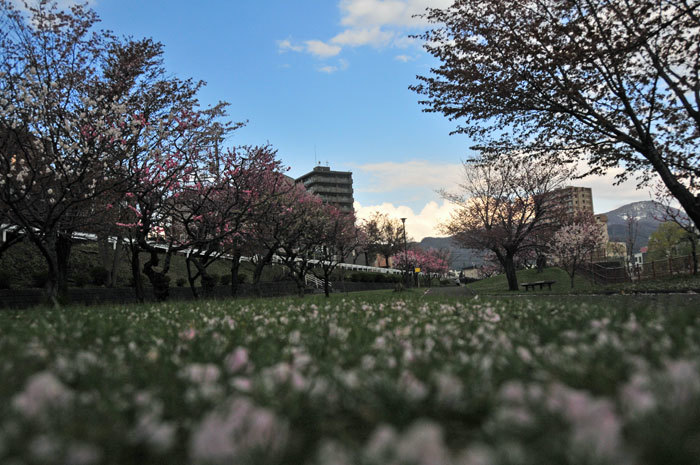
(405, 254)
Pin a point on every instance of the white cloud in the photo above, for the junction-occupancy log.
(377, 23)
(317, 48)
(330, 69)
(327, 69)
(608, 196)
(418, 225)
(414, 174)
(357, 37)
(287, 46)
(321, 49)
(397, 13)
(404, 58)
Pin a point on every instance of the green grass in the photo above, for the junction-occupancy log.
(370, 378)
(582, 284)
(499, 284)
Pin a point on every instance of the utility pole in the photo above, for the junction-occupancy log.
(405, 254)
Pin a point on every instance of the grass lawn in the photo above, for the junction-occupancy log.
(499, 284)
(582, 285)
(375, 378)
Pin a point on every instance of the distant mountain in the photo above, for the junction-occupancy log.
(646, 212)
(461, 258)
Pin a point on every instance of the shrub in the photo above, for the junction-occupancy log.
(144, 280)
(225, 279)
(209, 281)
(99, 275)
(4, 280)
(181, 282)
(40, 278)
(81, 278)
(241, 278)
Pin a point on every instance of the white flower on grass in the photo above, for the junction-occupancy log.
(43, 391)
(595, 427)
(205, 378)
(332, 452)
(158, 435)
(44, 448)
(636, 396)
(380, 446)
(237, 360)
(412, 387)
(449, 389)
(477, 454)
(238, 432)
(200, 373)
(421, 444)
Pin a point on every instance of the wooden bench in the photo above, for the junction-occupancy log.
(532, 285)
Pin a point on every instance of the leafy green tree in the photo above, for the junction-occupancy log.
(668, 241)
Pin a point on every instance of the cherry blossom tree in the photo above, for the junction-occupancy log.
(384, 235)
(216, 211)
(301, 236)
(432, 262)
(615, 83)
(338, 239)
(509, 207)
(55, 127)
(166, 144)
(573, 243)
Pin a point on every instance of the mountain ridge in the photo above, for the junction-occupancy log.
(646, 212)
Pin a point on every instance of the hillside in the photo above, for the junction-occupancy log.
(646, 212)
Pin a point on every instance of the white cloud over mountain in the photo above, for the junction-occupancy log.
(407, 189)
(424, 223)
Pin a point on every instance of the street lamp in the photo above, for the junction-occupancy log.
(405, 254)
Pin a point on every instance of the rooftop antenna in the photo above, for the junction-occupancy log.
(315, 161)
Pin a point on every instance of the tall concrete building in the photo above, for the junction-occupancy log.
(334, 187)
(577, 199)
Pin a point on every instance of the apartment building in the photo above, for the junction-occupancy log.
(334, 187)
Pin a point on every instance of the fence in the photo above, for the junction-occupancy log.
(673, 266)
(23, 298)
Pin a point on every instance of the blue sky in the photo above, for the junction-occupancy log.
(324, 81)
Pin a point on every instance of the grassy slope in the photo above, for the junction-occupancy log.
(23, 260)
(562, 283)
(499, 285)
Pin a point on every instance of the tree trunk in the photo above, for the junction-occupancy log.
(327, 282)
(191, 279)
(257, 273)
(235, 267)
(694, 253)
(301, 285)
(136, 273)
(159, 279)
(511, 276)
(64, 244)
(689, 202)
(51, 288)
